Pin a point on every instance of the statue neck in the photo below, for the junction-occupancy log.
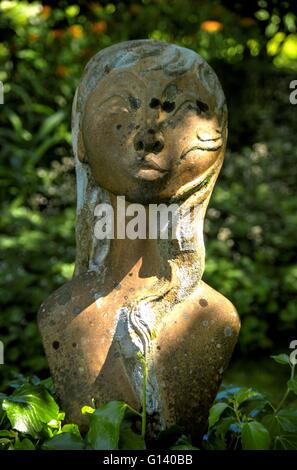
(145, 261)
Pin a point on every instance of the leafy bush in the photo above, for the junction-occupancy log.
(243, 418)
(240, 418)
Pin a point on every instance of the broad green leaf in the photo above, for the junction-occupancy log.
(215, 413)
(244, 394)
(272, 423)
(288, 420)
(224, 425)
(130, 440)
(64, 441)
(254, 436)
(286, 442)
(292, 385)
(29, 408)
(105, 424)
(281, 359)
(283, 421)
(25, 444)
(8, 433)
(254, 406)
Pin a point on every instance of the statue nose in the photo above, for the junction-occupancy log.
(150, 141)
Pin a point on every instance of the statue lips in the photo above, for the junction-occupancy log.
(150, 169)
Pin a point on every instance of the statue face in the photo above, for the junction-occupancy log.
(147, 135)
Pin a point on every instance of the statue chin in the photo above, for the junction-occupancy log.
(150, 124)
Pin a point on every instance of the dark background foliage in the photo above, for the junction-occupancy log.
(251, 223)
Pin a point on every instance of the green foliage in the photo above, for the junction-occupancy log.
(250, 233)
(105, 426)
(29, 408)
(243, 418)
(31, 420)
(254, 436)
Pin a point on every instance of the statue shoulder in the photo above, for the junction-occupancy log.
(61, 301)
(215, 302)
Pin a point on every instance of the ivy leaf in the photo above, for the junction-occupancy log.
(25, 444)
(130, 440)
(215, 413)
(64, 441)
(292, 385)
(254, 436)
(105, 425)
(29, 408)
(281, 359)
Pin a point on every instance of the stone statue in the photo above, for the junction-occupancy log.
(149, 124)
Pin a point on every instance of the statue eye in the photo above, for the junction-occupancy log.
(193, 105)
(168, 106)
(202, 107)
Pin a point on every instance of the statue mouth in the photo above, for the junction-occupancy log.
(151, 165)
(149, 169)
(150, 173)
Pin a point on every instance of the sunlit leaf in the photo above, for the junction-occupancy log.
(29, 408)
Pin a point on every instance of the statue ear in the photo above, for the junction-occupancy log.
(81, 150)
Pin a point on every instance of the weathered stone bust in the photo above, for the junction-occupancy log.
(150, 124)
